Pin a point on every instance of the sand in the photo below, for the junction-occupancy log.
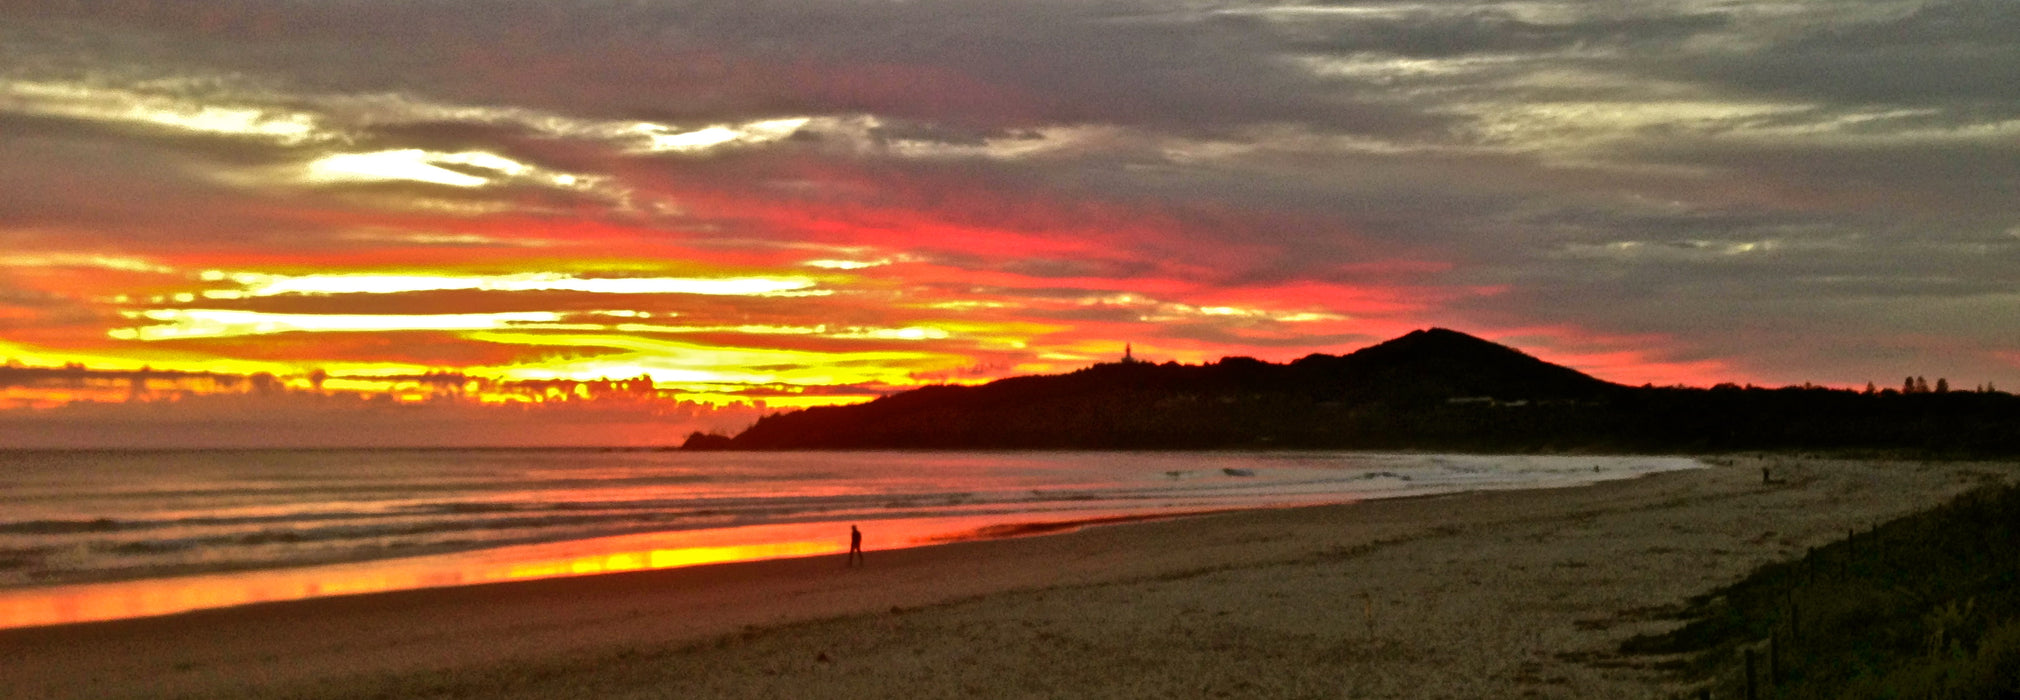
(1500, 594)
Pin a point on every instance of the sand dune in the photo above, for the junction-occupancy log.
(1480, 595)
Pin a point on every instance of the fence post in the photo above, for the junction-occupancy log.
(1774, 658)
(1751, 692)
(1368, 613)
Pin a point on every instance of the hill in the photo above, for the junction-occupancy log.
(1431, 389)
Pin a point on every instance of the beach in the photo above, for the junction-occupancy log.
(1490, 594)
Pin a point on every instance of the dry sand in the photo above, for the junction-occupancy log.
(1508, 594)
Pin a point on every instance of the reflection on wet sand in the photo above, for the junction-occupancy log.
(799, 506)
(143, 598)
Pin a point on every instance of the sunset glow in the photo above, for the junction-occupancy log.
(111, 601)
(607, 555)
(744, 208)
(258, 285)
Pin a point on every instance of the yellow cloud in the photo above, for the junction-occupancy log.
(178, 324)
(265, 285)
(457, 169)
(680, 362)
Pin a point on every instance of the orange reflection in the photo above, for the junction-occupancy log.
(667, 559)
(664, 550)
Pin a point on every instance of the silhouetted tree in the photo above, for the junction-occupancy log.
(1942, 385)
(266, 383)
(699, 440)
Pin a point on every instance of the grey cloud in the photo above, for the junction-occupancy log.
(87, 188)
(1951, 23)
(1764, 251)
(931, 132)
(448, 135)
(1789, 334)
(1955, 179)
(971, 62)
(1959, 51)
(148, 141)
(1824, 282)
(1462, 30)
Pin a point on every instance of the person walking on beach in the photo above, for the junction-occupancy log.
(855, 546)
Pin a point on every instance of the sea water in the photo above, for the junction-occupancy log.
(89, 535)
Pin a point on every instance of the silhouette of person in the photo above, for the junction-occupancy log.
(855, 546)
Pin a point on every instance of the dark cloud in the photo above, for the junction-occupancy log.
(78, 188)
(1460, 31)
(1952, 24)
(1957, 179)
(1942, 52)
(972, 62)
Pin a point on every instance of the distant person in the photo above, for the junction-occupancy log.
(855, 546)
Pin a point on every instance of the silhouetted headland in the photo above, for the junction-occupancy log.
(1432, 389)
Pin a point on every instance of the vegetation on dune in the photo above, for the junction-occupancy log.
(1927, 606)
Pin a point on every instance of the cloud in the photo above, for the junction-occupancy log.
(1664, 189)
(1459, 29)
(168, 113)
(208, 323)
(1956, 51)
(261, 285)
(966, 62)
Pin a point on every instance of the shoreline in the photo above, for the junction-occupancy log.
(172, 589)
(164, 587)
(1425, 558)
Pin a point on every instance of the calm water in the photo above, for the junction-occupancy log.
(226, 527)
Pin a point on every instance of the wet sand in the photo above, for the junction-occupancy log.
(1500, 594)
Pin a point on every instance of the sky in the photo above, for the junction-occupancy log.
(802, 202)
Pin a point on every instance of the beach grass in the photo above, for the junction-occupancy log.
(1923, 606)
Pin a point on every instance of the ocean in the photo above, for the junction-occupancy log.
(93, 535)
